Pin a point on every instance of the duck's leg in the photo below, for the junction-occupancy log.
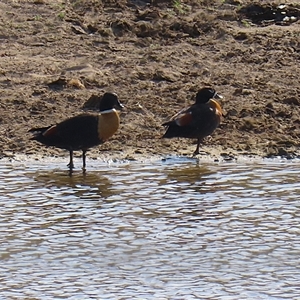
(198, 147)
(83, 161)
(70, 164)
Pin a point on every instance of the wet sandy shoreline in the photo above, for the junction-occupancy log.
(155, 57)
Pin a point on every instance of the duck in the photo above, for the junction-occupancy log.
(83, 131)
(197, 121)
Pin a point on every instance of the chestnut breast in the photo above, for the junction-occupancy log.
(108, 124)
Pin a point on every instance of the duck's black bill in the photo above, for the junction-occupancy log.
(217, 96)
(119, 106)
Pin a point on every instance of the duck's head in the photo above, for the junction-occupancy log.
(205, 94)
(110, 101)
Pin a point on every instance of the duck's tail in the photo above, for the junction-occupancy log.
(37, 132)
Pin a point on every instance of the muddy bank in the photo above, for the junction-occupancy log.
(155, 56)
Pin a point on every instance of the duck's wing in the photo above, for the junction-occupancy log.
(182, 118)
(70, 133)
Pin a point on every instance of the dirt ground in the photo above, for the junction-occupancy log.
(155, 55)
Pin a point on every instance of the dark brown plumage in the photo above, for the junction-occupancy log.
(197, 121)
(83, 131)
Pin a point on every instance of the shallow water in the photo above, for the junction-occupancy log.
(174, 229)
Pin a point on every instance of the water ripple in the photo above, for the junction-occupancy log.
(178, 229)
